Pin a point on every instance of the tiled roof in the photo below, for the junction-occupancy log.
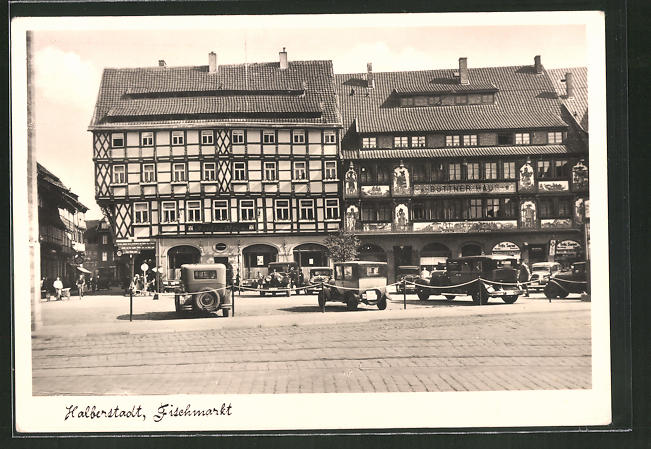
(69, 198)
(237, 89)
(524, 100)
(413, 153)
(577, 106)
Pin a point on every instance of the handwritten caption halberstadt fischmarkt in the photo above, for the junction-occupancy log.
(93, 412)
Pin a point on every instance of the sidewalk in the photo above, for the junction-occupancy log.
(159, 316)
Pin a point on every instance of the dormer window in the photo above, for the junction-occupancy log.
(522, 138)
(488, 98)
(369, 142)
(452, 141)
(401, 141)
(418, 141)
(407, 101)
(470, 140)
(461, 99)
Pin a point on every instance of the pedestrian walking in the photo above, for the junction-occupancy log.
(425, 274)
(58, 287)
(81, 283)
(523, 276)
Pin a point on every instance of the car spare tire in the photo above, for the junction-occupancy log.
(206, 301)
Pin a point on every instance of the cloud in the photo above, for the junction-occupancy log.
(64, 77)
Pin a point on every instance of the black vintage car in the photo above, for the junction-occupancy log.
(457, 279)
(573, 281)
(281, 277)
(410, 274)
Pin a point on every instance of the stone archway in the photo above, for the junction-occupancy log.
(372, 252)
(433, 256)
(179, 255)
(471, 249)
(256, 259)
(311, 255)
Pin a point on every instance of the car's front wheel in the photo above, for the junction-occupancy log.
(551, 291)
(382, 303)
(351, 302)
(480, 297)
(422, 295)
(510, 299)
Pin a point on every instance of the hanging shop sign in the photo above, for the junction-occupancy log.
(553, 186)
(376, 191)
(466, 226)
(135, 246)
(464, 188)
(556, 223)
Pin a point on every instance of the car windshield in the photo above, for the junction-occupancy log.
(371, 271)
(282, 268)
(545, 268)
(508, 263)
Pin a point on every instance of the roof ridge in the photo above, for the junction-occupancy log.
(241, 64)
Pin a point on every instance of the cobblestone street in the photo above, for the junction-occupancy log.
(532, 351)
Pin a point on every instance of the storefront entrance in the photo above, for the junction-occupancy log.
(179, 255)
(257, 258)
(537, 253)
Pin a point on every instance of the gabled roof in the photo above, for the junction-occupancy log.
(577, 106)
(304, 92)
(523, 99)
(68, 199)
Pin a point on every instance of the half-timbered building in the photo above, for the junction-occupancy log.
(464, 161)
(220, 163)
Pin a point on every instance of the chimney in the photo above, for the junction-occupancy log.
(370, 80)
(536, 64)
(161, 63)
(212, 62)
(283, 59)
(569, 85)
(463, 71)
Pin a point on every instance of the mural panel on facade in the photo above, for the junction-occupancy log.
(553, 186)
(555, 223)
(376, 227)
(350, 182)
(526, 183)
(401, 217)
(579, 210)
(376, 191)
(401, 181)
(352, 214)
(466, 226)
(527, 214)
(464, 188)
(580, 177)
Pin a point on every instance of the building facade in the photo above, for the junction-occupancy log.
(101, 256)
(233, 164)
(61, 220)
(443, 163)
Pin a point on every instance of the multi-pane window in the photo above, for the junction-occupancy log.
(375, 174)
(306, 209)
(178, 137)
(545, 169)
(401, 141)
(508, 170)
(239, 171)
(419, 172)
(237, 136)
(418, 210)
(554, 207)
(375, 212)
(470, 140)
(564, 207)
(330, 170)
(300, 172)
(561, 169)
(169, 211)
(461, 99)
(476, 208)
(119, 174)
(282, 210)
(418, 141)
(209, 171)
(473, 172)
(434, 101)
(438, 172)
(147, 139)
(178, 172)
(546, 207)
(490, 170)
(269, 171)
(332, 209)
(488, 98)
(555, 137)
(193, 211)
(247, 210)
(117, 140)
(207, 137)
(493, 207)
(329, 137)
(451, 141)
(268, 136)
(298, 136)
(505, 139)
(369, 142)
(522, 138)
(104, 239)
(220, 210)
(148, 173)
(104, 256)
(407, 101)
(454, 172)
(509, 208)
(141, 213)
(420, 101)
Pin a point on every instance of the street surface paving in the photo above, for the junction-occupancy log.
(433, 346)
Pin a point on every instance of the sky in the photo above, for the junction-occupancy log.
(68, 63)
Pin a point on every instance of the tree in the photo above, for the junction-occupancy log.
(342, 246)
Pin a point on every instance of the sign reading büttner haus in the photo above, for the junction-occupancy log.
(254, 163)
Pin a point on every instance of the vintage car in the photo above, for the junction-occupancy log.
(317, 275)
(540, 274)
(171, 285)
(410, 274)
(573, 281)
(459, 274)
(282, 276)
(355, 282)
(203, 289)
(248, 285)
